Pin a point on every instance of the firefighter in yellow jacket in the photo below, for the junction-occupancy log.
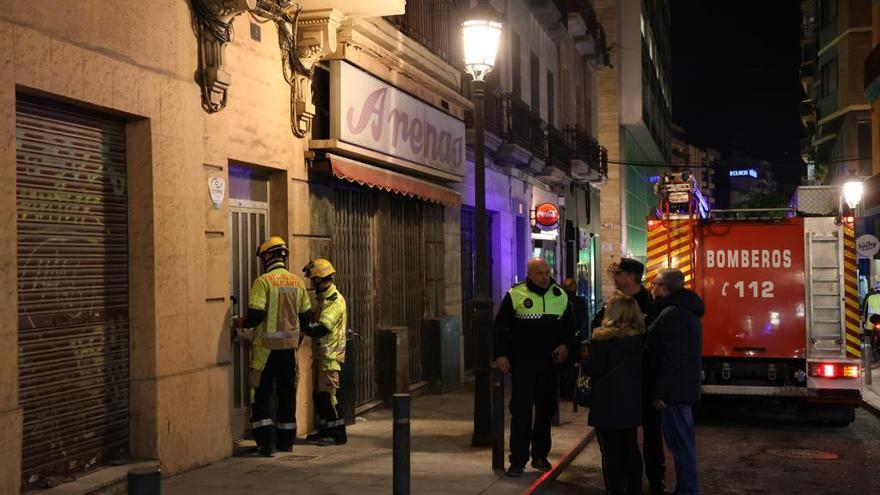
(279, 307)
(328, 332)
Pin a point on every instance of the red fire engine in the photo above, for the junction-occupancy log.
(781, 296)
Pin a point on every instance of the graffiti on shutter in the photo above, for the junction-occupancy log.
(73, 326)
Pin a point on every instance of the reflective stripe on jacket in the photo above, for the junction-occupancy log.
(282, 295)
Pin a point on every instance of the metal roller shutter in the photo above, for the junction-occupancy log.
(72, 289)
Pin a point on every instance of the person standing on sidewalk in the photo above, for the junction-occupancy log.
(615, 368)
(279, 306)
(674, 350)
(627, 276)
(328, 332)
(533, 330)
(870, 307)
(568, 379)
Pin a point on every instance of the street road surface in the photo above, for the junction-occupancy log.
(752, 455)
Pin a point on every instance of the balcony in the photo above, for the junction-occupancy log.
(432, 23)
(589, 161)
(523, 135)
(808, 32)
(808, 112)
(557, 163)
(549, 15)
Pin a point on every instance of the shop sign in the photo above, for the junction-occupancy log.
(867, 246)
(546, 216)
(377, 116)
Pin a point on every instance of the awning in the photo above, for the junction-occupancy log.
(386, 180)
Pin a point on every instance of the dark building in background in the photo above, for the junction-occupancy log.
(744, 182)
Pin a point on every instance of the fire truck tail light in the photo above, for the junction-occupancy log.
(834, 370)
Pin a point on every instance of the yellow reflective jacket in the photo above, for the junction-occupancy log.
(331, 347)
(282, 295)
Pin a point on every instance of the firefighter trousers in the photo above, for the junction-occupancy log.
(331, 420)
(280, 374)
(534, 386)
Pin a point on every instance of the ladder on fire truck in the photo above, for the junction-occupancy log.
(679, 213)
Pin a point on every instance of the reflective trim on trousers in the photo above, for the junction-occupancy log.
(286, 426)
(334, 424)
(261, 423)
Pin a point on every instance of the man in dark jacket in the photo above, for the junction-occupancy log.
(674, 360)
(627, 275)
(533, 331)
(568, 378)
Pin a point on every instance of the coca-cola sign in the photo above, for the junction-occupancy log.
(547, 216)
(382, 118)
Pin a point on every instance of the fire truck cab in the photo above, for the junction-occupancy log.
(780, 289)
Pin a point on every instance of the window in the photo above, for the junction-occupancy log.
(829, 78)
(515, 66)
(551, 100)
(535, 101)
(828, 12)
(864, 134)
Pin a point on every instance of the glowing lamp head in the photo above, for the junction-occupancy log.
(481, 31)
(852, 193)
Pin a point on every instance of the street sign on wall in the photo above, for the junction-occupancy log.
(867, 246)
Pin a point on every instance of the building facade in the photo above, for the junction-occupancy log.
(633, 120)
(700, 162)
(835, 40)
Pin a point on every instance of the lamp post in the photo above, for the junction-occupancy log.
(852, 196)
(481, 31)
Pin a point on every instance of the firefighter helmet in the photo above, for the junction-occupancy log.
(273, 244)
(319, 268)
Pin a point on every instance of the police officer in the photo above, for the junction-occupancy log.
(328, 331)
(532, 335)
(279, 306)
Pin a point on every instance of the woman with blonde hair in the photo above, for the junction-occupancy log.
(615, 370)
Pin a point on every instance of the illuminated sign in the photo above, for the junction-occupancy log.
(654, 179)
(547, 216)
(744, 173)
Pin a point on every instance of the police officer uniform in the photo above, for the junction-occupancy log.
(530, 324)
(328, 331)
(278, 307)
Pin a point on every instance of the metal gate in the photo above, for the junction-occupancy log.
(73, 324)
(249, 224)
(353, 258)
(469, 275)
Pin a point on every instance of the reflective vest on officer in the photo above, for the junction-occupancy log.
(872, 307)
(528, 305)
(331, 347)
(282, 295)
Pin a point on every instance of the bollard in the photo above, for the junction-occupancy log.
(145, 481)
(400, 454)
(497, 419)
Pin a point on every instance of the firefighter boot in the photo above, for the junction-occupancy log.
(263, 436)
(323, 408)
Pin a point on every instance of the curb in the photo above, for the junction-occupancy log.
(871, 408)
(543, 482)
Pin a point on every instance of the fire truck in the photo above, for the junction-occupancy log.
(780, 289)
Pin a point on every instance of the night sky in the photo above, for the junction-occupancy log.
(735, 83)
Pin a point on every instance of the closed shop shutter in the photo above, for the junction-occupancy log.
(353, 260)
(72, 289)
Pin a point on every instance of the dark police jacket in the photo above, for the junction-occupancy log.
(540, 325)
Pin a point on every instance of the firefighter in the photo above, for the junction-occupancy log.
(328, 332)
(279, 307)
(532, 336)
(871, 306)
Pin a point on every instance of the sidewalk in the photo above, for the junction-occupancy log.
(442, 459)
(871, 393)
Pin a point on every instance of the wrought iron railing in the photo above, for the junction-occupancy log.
(434, 24)
(522, 126)
(586, 148)
(559, 150)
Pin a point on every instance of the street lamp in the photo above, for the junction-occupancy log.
(852, 193)
(481, 31)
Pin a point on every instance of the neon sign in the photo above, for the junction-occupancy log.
(744, 173)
